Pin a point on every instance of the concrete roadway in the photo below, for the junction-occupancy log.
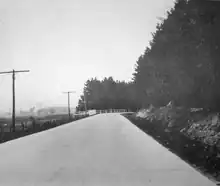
(101, 150)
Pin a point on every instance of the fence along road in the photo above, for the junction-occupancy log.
(93, 112)
(103, 150)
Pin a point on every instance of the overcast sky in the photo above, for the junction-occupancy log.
(65, 42)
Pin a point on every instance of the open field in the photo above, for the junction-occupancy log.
(25, 125)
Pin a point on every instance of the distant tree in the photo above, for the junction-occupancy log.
(107, 94)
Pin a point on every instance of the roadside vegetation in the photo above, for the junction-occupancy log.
(181, 63)
(192, 135)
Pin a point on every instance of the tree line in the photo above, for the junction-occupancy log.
(107, 94)
(181, 63)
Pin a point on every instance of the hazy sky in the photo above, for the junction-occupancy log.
(65, 42)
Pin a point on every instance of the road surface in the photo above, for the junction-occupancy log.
(101, 150)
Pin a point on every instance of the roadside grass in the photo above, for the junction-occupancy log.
(198, 155)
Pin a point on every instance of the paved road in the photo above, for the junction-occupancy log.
(97, 151)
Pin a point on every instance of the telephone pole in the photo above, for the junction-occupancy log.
(13, 93)
(68, 93)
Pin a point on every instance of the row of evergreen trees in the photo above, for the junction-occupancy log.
(107, 94)
(181, 64)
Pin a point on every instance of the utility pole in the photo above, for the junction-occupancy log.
(13, 93)
(68, 93)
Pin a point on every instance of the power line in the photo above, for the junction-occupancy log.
(13, 93)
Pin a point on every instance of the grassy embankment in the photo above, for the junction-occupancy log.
(200, 156)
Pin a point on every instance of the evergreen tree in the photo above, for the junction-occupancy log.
(179, 63)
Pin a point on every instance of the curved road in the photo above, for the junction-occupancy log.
(101, 150)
